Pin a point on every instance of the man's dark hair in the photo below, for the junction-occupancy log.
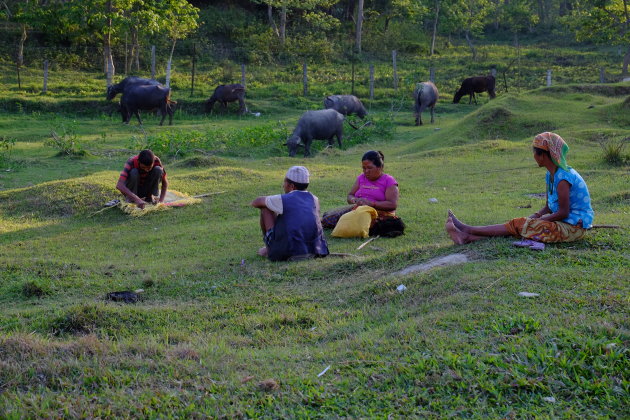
(375, 157)
(298, 185)
(540, 151)
(146, 157)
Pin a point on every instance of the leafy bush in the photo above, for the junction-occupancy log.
(6, 145)
(374, 129)
(67, 142)
(613, 150)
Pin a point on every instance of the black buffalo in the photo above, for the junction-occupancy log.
(425, 96)
(316, 125)
(473, 85)
(228, 93)
(117, 88)
(345, 104)
(146, 97)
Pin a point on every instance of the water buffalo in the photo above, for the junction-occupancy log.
(146, 97)
(117, 88)
(425, 95)
(473, 85)
(316, 125)
(345, 104)
(228, 93)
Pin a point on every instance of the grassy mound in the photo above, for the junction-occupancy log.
(56, 199)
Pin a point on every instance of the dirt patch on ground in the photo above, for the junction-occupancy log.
(453, 259)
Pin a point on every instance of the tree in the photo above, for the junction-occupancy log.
(604, 22)
(307, 8)
(179, 19)
(24, 14)
(359, 27)
(468, 16)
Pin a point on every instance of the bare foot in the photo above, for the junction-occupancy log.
(459, 225)
(456, 235)
(262, 251)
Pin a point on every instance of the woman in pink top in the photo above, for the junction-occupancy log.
(373, 187)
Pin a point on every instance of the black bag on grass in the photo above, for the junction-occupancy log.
(389, 227)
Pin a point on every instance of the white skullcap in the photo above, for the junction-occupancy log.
(298, 174)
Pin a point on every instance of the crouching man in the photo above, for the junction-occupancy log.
(290, 222)
(140, 178)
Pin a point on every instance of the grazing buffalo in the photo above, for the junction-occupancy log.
(146, 97)
(228, 93)
(117, 88)
(345, 104)
(425, 96)
(316, 125)
(473, 85)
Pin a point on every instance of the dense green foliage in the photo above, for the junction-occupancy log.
(80, 33)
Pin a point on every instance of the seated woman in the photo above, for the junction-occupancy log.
(372, 188)
(565, 217)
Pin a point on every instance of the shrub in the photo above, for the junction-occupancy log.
(613, 150)
(6, 146)
(68, 142)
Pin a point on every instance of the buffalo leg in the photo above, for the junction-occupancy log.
(418, 119)
(137, 112)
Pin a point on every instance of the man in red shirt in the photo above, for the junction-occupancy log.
(140, 177)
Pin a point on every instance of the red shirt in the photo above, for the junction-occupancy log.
(134, 163)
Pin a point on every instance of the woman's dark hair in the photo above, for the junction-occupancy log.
(540, 151)
(375, 157)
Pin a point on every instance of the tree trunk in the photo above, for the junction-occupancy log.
(359, 27)
(283, 23)
(135, 49)
(107, 44)
(272, 23)
(435, 26)
(168, 65)
(626, 63)
(20, 51)
(471, 46)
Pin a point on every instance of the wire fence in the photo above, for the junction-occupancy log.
(199, 68)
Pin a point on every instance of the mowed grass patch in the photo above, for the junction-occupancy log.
(215, 321)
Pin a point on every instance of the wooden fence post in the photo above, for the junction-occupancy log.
(109, 72)
(17, 65)
(45, 89)
(395, 70)
(548, 78)
(192, 77)
(243, 80)
(352, 85)
(153, 62)
(371, 81)
(126, 61)
(602, 75)
(304, 78)
(432, 74)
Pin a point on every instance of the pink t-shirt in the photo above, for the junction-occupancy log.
(374, 190)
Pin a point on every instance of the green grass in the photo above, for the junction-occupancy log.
(215, 320)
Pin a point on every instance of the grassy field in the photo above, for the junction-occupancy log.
(221, 332)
